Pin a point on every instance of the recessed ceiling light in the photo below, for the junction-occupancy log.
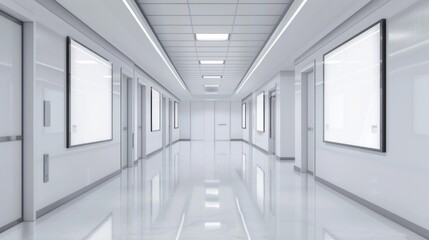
(212, 76)
(212, 37)
(214, 62)
(211, 85)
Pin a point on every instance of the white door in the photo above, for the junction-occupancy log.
(222, 120)
(10, 122)
(310, 122)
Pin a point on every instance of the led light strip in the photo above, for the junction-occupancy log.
(272, 44)
(152, 42)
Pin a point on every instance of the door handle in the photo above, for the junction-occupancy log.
(310, 129)
(222, 124)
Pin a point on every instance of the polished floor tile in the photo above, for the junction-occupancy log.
(211, 190)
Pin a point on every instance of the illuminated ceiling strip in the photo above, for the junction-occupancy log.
(242, 219)
(152, 42)
(273, 43)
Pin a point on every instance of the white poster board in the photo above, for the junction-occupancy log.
(354, 91)
(260, 112)
(89, 96)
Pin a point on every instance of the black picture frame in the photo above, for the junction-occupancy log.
(176, 115)
(69, 41)
(383, 39)
(152, 129)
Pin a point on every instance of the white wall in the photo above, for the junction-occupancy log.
(393, 180)
(76, 168)
(205, 117)
(185, 120)
(236, 130)
(283, 83)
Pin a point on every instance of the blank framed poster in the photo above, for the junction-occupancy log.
(260, 112)
(355, 91)
(176, 114)
(89, 96)
(155, 110)
(243, 115)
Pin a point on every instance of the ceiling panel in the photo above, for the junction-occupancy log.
(261, 9)
(165, 9)
(249, 23)
(212, 9)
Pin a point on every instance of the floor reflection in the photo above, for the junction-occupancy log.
(211, 190)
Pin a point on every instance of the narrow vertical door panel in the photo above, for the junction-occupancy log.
(10, 122)
(222, 120)
(197, 120)
(310, 121)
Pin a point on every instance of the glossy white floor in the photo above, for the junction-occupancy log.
(211, 190)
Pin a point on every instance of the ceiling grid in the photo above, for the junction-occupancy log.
(250, 23)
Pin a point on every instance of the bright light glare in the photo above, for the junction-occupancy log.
(211, 85)
(212, 37)
(212, 76)
(212, 62)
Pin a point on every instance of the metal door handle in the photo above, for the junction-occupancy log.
(310, 129)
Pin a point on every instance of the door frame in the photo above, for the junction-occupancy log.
(128, 162)
(272, 120)
(311, 68)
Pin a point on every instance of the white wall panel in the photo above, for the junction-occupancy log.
(185, 120)
(236, 130)
(10, 121)
(375, 177)
(198, 120)
(222, 120)
(209, 121)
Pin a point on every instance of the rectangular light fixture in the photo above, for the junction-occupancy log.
(212, 76)
(212, 36)
(212, 62)
(211, 85)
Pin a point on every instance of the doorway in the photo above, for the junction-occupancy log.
(11, 119)
(250, 122)
(308, 108)
(141, 116)
(272, 130)
(126, 122)
(165, 117)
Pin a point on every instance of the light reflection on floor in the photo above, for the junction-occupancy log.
(211, 190)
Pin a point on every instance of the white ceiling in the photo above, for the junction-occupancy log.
(249, 22)
(175, 23)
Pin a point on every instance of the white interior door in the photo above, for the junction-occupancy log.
(310, 122)
(222, 120)
(10, 122)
